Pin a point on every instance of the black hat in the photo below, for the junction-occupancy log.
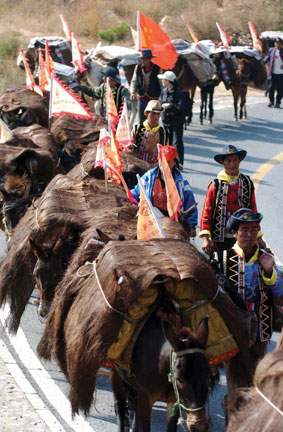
(147, 53)
(241, 216)
(111, 72)
(229, 151)
(278, 39)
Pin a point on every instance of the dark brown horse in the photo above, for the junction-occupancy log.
(260, 408)
(177, 371)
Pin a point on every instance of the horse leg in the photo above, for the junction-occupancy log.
(235, 97)
(143, 413)
(211, 111)
(120, 401)
(202, 104)
(172, 418)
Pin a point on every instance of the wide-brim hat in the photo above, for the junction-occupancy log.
(229, 151)
(243, 215)
(111, 72)
(278, 39)
(153, 106)
(147, 53)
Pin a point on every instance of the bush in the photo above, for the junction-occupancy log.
(9, 46)
(114, 34)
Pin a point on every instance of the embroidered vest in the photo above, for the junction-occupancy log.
(234, 269)
(245, 191)
(140, 144)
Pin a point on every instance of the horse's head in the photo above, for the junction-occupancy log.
(190, 371)
(52, 261)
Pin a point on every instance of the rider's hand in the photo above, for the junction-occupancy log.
(193, 232)
(206, 245)
(267, 263)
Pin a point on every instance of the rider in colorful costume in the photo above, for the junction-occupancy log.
(154, 186)
(148, 134)
(226, 194)
(255, 278)
(119, 92)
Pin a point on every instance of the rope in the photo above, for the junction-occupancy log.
(127, 317)
(202, 302)
(269, 402)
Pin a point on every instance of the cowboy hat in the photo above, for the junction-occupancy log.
(229, 151)
(111, 72)
(243, 215)
(147, 53)
(153, 106)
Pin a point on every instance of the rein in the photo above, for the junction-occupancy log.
(172, 378)
(269, 401)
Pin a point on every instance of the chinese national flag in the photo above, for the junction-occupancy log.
(77, 57)
(123, 133)
(30, 83)
(223, 36)
(48, 60)
(256, 41)
(151, 36)
(5, 132)
(64, 101)
(66, 28)
(173, 199)
(44, 80)
(148, 226)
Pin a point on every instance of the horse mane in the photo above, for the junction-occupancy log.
(250, 412)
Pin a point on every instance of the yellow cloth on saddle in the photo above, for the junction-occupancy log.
(220, 344)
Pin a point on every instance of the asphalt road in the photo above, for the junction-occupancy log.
(261, 135)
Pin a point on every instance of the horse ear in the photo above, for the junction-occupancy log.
(103, 237)
(36, 249)
(58, 245)
(170, 335)
(202, 331)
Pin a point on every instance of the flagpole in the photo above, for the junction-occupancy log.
(50, 104)
(139, 32)
(105, 168)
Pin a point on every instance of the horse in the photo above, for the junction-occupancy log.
(176, 353)
(260, 408)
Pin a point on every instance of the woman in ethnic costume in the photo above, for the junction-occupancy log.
(148, 134)
(154, 186)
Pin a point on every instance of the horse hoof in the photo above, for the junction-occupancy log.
(210, 121)
(43, 309)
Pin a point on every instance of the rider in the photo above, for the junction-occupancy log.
(154, 186)
(148, 134)
(119, 92)
(226, 194)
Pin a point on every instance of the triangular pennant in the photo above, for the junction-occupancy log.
(100, 159)
(192, 33)
(123, 133)
(111, 109)
(30, 83)
(77, 58)
(44, 80)
(254, 34)
(5, 132)
(135, 37)
(66, 28)
(64, 101)
(122, 180)
(116, 156)
(153, 37)
(48, 60)
(223, 36)
(148, 226)
(173, 199)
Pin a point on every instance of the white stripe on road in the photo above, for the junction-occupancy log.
(52, 392)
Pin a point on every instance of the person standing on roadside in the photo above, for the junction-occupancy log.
(275, 72)
(173, 115)
(145, 85)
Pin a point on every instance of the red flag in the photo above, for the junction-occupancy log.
(223, 36)
(64, 101)
(173, 199)
(30, 83)
(48, 60)
(44, 80)
(194, 37)
(148, 226)
(111, 109)
(254, 34)
(151, 36)
(77, 57)
(66, 28)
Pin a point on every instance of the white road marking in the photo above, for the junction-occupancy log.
(43, 380)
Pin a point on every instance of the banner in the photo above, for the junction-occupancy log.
(223, 36)
(111, 109)
(66, 28)
(5, 132)
(150, 35)
(254, 34)
(44, 80)
(123, 133)
(192, 33)
(30, 83)
(77, 58)
(64, 101)
(48, 60)
(173, 199)
(148, 226)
